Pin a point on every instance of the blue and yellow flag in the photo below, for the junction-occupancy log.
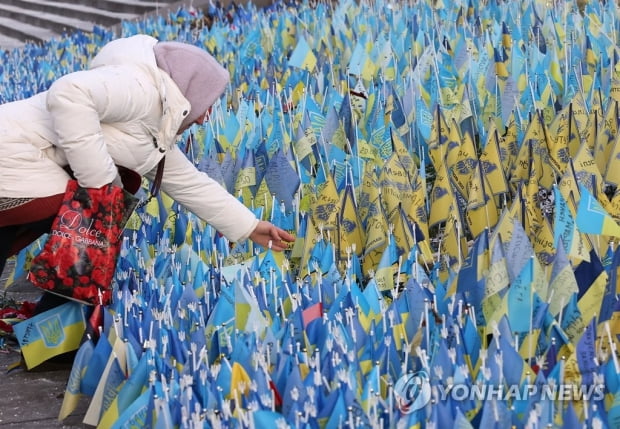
(384, 275)
(139, 414)
(592, 218)
(51, 333)
(376, 238)
(302, 56)
(73, 391)
(521, 300)
(248, 316)
(565, 230)
(325, 209)
(129, 392)
(351, 234)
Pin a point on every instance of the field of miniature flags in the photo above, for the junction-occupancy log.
(450, 171)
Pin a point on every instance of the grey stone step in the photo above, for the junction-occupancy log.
(14, 29)
(72, 10)
(58, 24)
(41, 20)
(105, 4)
(137, 7)
(10, 43)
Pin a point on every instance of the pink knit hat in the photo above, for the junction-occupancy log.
(201, 79)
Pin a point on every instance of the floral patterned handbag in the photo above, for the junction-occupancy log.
(79, 257)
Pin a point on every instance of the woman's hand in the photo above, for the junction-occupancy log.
(266, 232)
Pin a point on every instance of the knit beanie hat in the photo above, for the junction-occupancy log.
(201, 79)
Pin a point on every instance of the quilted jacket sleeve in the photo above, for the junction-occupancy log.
(80, 102)
(205, 197)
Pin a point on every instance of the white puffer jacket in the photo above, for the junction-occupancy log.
(124, 110)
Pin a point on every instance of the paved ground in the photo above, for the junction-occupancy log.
(32, 399)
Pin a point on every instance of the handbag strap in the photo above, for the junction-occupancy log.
(159, 174)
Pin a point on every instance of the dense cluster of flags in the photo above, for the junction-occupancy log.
(450, 170)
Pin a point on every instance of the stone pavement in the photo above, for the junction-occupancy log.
(32, 399)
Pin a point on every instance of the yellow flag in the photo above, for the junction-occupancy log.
(508, 145)
(453, 243)
(367, 150)
(580, 113)
(369, 190)
(402, 233)
(477, 189)
(590, 303)
(522, 167)
(569, 188)
(527, 348)
(494, 309)
(376, 227)
(264, 198)
(614, 90)
(607, 138)
(614, 205)
(595, 121)
(542, 240)
(505, 226)
(563, 286)
(287, 33)
(464, 164)
(376, 240)
(536, 224)
(327, 205)
(441, 196)
(395, 184)
(533, 160)
(240, 381)
(417, 212)
(437, 142)
(451, 253)
(589, 175)
(482, 212)
(564, 140)
(351, 233)
(612, 167)
(557, 140)
(491, 164)
(453, 144)
(404, 155)
(313, 235)
(482, 217)
(306, 139)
